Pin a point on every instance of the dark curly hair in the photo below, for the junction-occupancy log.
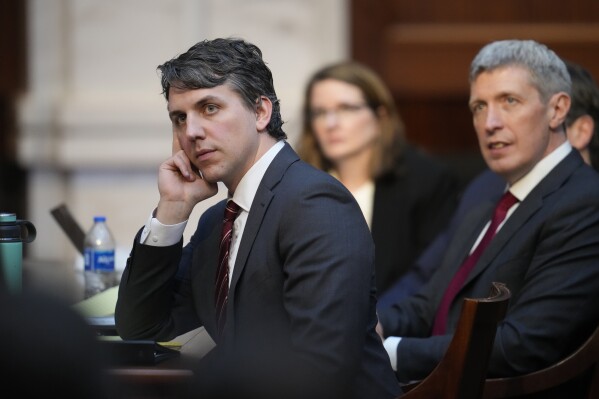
(231, 61)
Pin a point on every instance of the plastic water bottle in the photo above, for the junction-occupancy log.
(99, 258)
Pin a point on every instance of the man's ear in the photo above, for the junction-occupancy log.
(263, 113)
(580, 132)
(559, 105)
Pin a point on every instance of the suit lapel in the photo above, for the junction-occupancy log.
(526, 210)
(469, 231)
(264, 195)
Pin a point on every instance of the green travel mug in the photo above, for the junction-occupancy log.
(13, 233)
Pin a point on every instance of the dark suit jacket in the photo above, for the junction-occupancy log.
(548, 255)
(412, 204)
(487, 186)
(301, 304)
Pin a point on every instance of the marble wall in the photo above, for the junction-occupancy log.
(93, 125)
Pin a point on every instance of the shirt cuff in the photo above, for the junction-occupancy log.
(157, 234)
(390, 345)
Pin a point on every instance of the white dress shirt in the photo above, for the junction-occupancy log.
(365, 198)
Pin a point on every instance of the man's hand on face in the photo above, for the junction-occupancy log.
(181, 187)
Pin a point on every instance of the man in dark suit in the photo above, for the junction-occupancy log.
(296, 307)
(582, 129)
(546, 251)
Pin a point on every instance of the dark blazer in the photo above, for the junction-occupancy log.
(301, 305)
(412, 204)
(548, 255)
(486, 186)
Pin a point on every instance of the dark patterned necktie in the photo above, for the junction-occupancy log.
(221, 292)
(505, 203)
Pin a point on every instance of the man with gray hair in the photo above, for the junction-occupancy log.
(546, 248)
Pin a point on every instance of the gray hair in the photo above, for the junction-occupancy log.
(548, 72)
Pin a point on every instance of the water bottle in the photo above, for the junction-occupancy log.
(99, 247)
(13, 233)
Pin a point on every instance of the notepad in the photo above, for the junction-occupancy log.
(99, 305)
(98, 310)
(99, 313)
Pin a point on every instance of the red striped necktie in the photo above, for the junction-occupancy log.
(221, 292)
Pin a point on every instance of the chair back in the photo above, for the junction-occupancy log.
(462, 371)
(584, 360)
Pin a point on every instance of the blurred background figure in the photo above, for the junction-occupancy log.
(582, 122)
(351, 128)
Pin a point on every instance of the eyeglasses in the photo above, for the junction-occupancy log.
(320, 115)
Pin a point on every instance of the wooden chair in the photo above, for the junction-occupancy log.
(462, 371)
(584, 360)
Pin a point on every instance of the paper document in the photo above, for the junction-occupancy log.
(99, 305)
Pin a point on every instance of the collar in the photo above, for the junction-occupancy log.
(247, 187)
(526, 184)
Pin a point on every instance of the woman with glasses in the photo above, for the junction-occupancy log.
(351, 128)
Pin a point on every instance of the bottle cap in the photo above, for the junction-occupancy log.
(99, 219)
